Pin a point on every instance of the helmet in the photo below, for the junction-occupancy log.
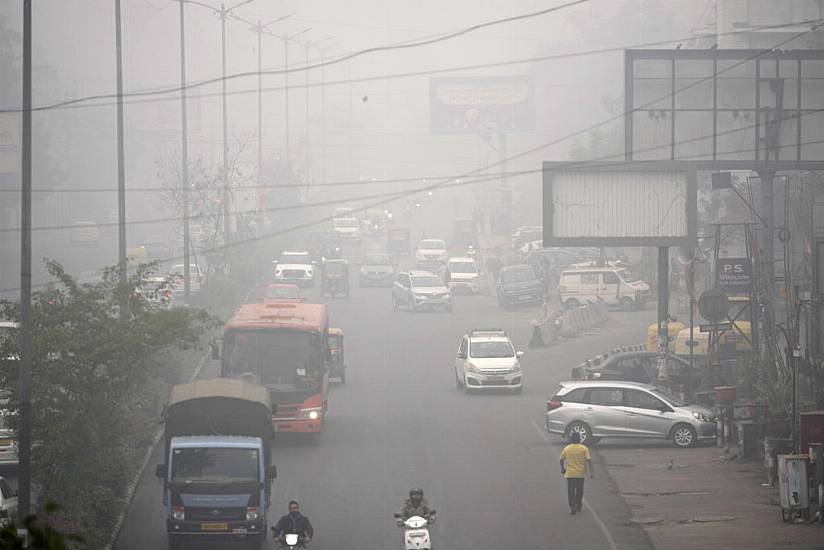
(415, 493)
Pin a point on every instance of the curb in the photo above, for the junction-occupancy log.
(132, 487)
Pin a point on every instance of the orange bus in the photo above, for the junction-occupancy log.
(285, 347)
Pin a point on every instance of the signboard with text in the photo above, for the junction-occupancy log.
(734, 274)
(469, 105)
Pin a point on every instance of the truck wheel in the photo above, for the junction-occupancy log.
(254, 542)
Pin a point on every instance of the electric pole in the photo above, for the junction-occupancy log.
(24, 433)
(184, 158)
(286, 38)
(121, 168)
(307, 44)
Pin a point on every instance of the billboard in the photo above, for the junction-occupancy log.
(633, 204)
(724, 105)
(469, 105)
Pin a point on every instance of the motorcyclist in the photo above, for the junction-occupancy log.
(294, 523)
(415, 505)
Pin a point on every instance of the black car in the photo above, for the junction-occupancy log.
(638, 366)
(518, 285)
(376, 270)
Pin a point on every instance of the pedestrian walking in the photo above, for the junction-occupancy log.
(575, 462)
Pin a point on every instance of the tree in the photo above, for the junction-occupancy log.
(42, 533)
(91, 378)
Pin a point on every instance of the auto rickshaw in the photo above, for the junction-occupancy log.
(673, 328)
(334, 278)
(397, 240)
(337, 366)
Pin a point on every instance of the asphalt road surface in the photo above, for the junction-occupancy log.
(399, 421)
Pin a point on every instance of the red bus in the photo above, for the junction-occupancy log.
(285, 347)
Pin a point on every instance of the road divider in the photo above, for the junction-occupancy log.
(569, 323)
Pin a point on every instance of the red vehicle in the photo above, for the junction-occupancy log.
(283, 346)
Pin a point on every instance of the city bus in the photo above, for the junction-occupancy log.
(283, 346)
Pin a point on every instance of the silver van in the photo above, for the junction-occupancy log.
(615, 409)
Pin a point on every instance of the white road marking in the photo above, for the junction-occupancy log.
(601, 524)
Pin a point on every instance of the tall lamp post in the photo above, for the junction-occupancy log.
(307, 44)
(286, 38)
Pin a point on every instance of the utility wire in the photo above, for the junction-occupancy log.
(85, 102)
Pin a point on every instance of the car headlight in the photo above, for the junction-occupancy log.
(472, 368)
(703, 417)
(309, 271)
(516, 367)
(251, 513)
(312, 413)
(363, 271)
(178, 513)
(278, 273)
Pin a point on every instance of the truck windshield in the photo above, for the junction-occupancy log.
(215, 465)
(283, 360)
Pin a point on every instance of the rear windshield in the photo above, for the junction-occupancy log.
(432, 244)
(518, 275)
(462, 267)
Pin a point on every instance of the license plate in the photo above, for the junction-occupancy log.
(495, 379)
(214, 526)
(523, 298)
(5, 442)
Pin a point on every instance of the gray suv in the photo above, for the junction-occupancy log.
(599, 409)
(416, 290)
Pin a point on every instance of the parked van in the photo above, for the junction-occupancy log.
(616, 286)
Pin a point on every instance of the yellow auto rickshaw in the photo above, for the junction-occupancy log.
(735, 339)
(673, 328)
(337, 366)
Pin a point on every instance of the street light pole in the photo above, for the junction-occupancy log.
(286, 38)
(308, 44)
(121, 169)
(226, 224)
(24, 434)
(184, 158)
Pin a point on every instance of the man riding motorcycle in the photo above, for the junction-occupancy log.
(415, 505)
(294, 523)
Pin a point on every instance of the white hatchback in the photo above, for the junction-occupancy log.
(486, 359)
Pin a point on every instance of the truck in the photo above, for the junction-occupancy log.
(217, 472)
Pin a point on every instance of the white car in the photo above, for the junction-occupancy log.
(295, 267)
(462, 275)
(175, 276)
(348, 229)
(486, 360)
(86, 233)
(431, 252)
(616, 286)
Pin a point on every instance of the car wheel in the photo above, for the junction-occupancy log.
(572, 303)
(683, 435)
(627, 304)
(581, 429)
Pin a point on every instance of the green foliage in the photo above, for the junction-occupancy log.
(91, 374)
(44, 533)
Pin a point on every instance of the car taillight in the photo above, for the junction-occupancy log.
(553, 404)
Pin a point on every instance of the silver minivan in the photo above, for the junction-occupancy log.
(613, 409)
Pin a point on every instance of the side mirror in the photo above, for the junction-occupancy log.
(215, 351)
(461, 355)
(396, 515)
(273, 472)
(274, 262)
(519, 354)
(160, 470)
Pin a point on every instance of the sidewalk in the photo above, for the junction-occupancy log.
(697, 499)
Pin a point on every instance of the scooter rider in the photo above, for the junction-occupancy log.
(294, 523)
(415, 505)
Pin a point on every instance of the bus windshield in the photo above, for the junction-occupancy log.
(283, 360)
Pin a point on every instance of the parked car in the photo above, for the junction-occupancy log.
(431, 253)
(376, 270)
(295, 267)
(616, 286)
(8, 502)
(196, 277)
(645, 367)
(85, 233)
(518, 285)
(615, 409)
(486, 359)
(462, 275)
(280, 292)
(416, 290)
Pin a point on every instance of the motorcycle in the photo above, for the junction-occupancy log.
(416, 531)
(471, 252)
(292, 541)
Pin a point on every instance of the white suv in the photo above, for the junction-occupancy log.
(431, 252)
(486, 359)
(295, 267)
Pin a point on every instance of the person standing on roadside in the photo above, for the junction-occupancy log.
(575, 462)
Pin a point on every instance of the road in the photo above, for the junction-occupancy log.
(399, 422)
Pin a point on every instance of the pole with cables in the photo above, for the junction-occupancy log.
(184, 159)
(121, 168)
(225, 172)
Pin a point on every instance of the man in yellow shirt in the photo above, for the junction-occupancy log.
(575, 461)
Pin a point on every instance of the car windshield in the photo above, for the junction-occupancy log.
(178, 269)
(489, 350)
(671, 399)
(294, 258)
(628, 276)
(518, 275)
(346, 222)
(462, 267)
(276, 292)
(426, 280)
(433, 244)
(215, 465)
(377, 260)
(283, 360)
